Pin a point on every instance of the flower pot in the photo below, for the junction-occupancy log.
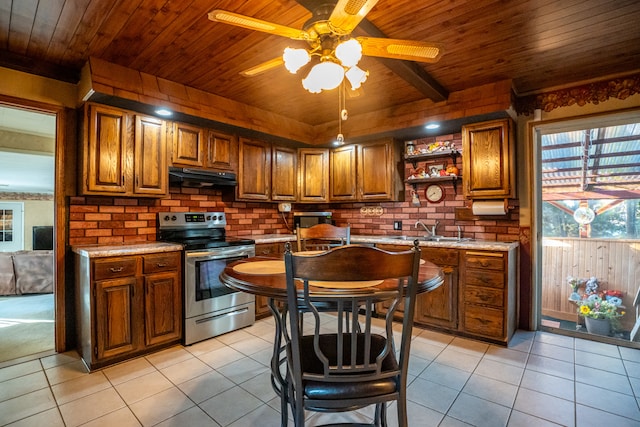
(598, 326)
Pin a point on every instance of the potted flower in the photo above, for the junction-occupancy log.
(600, 316)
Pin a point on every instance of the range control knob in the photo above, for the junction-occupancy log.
(166, 217)
(209, 217)
(173, 218)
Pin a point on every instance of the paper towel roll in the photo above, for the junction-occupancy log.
(489, 207)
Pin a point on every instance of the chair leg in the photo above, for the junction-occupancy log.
(402, 410)
(380, 417)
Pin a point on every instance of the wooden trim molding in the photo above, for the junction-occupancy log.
(592, 93)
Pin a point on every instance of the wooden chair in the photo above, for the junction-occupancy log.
(330, 369)
(322, 237)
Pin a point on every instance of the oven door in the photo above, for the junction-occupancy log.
(204, 293)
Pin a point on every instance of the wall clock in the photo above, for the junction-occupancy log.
(434, 193)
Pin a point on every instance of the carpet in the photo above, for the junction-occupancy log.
(26, 325)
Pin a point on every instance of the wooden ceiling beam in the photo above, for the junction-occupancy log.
(409, 71)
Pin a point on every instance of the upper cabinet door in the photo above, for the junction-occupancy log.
(150, 162)
(344, 174)
(378, 171)
(313, 174)
(488, 160)
(104, 154)
(284, 174)
(222, 151)
(254, 170)
(188, 146)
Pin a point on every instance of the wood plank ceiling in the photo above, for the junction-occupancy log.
(538, 44)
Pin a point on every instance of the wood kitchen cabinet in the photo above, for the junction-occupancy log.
(438, 307)
(284, 174)
(488, 294)
(127, 305)
(188, 142)
(266, 249)
(366, 172)
(343, 173)
(195, 146)
(221, 151)
(254, 170)
(266, 172)
(313, 175)
(123, 153)
(489, 160)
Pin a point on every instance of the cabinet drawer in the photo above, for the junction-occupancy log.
(160, 262)
(486, 261)
(489, 296)
(440, 256)
(484, 321)
(491, 279)
(113, 267)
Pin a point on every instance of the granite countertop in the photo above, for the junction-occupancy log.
(98, 251)
(394, 240)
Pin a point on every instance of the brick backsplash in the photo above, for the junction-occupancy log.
(114, 220)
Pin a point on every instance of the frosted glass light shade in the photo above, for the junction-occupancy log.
(294, 59)
(323, 76)
(349, 52)
(356, 76)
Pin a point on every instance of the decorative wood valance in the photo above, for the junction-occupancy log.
(592, 93)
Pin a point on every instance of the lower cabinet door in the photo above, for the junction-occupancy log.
(163, 308)
(438, 307)
(117, 317)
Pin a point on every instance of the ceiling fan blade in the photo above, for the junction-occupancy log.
(348, 13)
(261, 68)
(257, 24)
(408, 50)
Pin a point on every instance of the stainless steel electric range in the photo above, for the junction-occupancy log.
(210, 308)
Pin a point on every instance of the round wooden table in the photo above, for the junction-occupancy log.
(265, 276)
(270, 281)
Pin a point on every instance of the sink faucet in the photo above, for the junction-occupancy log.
(433, 228)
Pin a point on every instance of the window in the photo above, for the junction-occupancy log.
(11, 232)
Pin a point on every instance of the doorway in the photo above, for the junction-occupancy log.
(587, 222)
(27, 218)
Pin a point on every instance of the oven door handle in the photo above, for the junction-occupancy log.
(209, 255)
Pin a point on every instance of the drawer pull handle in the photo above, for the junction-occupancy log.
(161, 265)
(116, 270)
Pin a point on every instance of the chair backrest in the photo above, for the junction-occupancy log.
(338, 354)
(322, 237)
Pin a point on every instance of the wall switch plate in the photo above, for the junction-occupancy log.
(284, 207)
(397, 225)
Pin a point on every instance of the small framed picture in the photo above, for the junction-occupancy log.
(435, 168)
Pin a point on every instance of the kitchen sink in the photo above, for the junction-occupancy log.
(431, 238)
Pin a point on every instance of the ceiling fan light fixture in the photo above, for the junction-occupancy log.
(326, 75)
(349, 52)
(356, 76)
(294, 59)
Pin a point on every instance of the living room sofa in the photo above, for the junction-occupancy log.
(26, 272)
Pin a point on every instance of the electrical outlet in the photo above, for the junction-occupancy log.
(397, 225)
(284, 207)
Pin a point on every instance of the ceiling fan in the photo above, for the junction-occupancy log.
(328, 35)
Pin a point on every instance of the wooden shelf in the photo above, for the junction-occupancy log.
(440, 179)
(414, 158)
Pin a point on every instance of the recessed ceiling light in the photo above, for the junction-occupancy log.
(431, 126)
(163, 112)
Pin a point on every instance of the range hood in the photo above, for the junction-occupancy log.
(194, 177)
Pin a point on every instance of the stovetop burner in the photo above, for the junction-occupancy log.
(196, 230)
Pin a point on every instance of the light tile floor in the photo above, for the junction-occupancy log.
(541, 379)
